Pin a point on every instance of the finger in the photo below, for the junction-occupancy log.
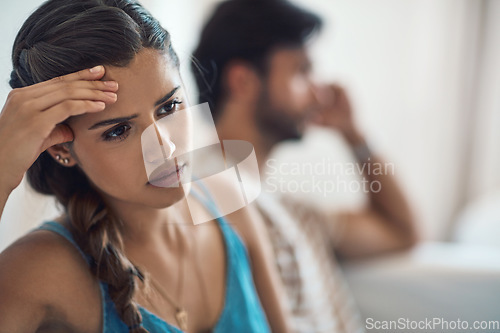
(39, 91)
(317, 118)
(338, 90)
(92, 74)
(49, 100)
(326, 95)
(68, 86)
(62, 111)
(335, 86)
(60, 134)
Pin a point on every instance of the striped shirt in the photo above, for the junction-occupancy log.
(318, 296)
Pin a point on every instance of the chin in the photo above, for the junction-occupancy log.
(297, 135)
(284, 130)
(166, 197)
(294, 134)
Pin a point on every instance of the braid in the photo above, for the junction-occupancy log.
(96, 231)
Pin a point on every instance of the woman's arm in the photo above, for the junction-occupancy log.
(269, 287)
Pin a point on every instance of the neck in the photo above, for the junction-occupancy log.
(237, 123)
(143, 226)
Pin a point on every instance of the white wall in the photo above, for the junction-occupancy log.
(484, 176)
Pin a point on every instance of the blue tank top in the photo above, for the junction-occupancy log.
(242, 310)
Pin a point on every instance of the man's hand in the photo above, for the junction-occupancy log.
(335, 112)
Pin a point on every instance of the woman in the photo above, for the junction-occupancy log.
(89, 77)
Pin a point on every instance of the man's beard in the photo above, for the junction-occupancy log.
(276, 124)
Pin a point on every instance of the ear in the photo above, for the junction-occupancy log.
(62, 155)
(242, 81)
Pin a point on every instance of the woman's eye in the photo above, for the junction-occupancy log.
(170, 107)
(117, 133)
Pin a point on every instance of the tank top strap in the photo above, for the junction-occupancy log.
(205, 197)
(242, 310)
(64, 232)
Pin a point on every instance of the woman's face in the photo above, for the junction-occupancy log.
(107, 145)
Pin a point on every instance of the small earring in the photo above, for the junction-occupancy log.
(62, 160)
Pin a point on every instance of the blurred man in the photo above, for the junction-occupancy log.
(252, 67)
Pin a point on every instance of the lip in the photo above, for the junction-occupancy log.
(165, 176)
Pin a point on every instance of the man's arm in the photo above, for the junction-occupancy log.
(387, 223)
(267, 281)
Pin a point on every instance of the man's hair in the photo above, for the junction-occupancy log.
(246, 30)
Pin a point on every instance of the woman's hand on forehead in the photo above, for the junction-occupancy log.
(30, 121)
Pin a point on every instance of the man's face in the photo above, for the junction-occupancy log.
(287, 99)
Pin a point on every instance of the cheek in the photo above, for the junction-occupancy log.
(291, 93)
(110, 168)
(300, 92)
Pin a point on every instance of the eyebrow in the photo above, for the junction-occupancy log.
(113, 121)
(167, 96)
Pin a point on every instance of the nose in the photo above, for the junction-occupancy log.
(156, 144)
(166, 144)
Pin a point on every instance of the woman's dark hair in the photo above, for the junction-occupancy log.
(59, 38)
(247, 30)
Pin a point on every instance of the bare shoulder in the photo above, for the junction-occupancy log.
(246, 220)
(249, 224)
(40, 251)
(41, 275)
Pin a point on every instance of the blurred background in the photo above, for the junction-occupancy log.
(424, 80)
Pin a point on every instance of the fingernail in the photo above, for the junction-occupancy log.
(110, 94)
(111, 84)
(96, 69)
